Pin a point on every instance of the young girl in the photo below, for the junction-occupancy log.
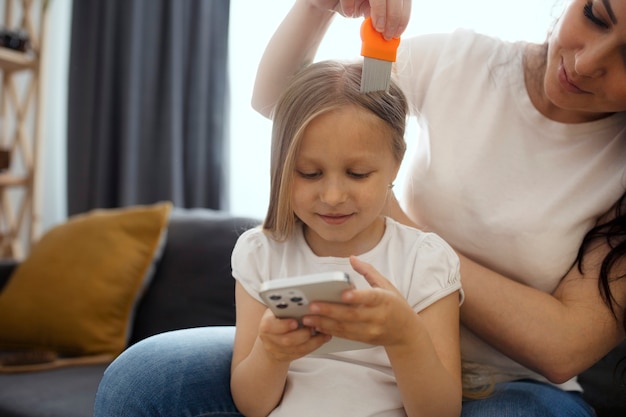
(335, 155)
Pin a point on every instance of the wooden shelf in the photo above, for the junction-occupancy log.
(10, 180)
(21, 108)
(11, 60)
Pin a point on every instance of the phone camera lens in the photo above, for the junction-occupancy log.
(275, 297)
(296, 299)
(282, 305)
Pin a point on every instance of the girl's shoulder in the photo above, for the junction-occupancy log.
(414, 239)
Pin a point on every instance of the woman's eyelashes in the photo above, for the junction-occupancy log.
(588, 12)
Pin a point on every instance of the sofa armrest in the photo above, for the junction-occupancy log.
(604, 383)
(7, 266)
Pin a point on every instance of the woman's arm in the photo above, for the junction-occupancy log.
(295, 42)
(292, 46)
(558, 335)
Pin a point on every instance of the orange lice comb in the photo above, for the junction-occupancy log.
(379, 54)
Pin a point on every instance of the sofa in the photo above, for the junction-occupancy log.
(191, 286)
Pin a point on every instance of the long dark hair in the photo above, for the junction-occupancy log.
(613, 232)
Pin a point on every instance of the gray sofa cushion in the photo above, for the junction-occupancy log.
(604, 383)
(67, 392)
(192, 285)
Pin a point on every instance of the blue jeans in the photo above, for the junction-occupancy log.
(186, 373)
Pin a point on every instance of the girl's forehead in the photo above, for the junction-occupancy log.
(345, 117)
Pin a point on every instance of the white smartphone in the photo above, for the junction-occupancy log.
(290, 298)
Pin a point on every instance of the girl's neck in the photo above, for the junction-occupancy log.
(362, 243)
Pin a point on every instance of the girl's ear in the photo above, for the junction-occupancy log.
(395, 173)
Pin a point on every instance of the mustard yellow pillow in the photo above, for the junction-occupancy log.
(76, 291)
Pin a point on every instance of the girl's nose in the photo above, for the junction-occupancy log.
(333, 192)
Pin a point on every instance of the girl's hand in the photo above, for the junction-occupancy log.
(390, 17)
(377, 315)
(285, 341)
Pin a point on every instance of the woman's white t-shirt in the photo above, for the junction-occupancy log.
(496, 179)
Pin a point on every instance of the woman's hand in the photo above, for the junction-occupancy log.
(295, 42)
(390, 17)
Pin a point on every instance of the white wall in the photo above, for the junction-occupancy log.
(253, 23)
(52, 158)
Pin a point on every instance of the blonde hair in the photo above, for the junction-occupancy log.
(317, 89)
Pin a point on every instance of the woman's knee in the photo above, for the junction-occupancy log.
(166, 369)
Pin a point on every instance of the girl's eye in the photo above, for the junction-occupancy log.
(358, 175)
(588, 12)
(309, 175)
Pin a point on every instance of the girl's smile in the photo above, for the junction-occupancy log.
(335, 218)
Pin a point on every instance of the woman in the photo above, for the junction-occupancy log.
(521, 154)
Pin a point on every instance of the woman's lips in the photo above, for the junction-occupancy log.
(566, 83)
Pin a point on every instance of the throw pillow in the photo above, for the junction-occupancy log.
(76, 291)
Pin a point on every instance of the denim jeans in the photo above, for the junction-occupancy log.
(528, 398)
(186, 373)
(179, 373)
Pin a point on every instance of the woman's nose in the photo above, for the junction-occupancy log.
(592, 60)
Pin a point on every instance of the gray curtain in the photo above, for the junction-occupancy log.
(148, 103)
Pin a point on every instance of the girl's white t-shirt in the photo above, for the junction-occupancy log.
(357, 383)
(496, 179)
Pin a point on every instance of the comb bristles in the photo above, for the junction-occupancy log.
(376, 75)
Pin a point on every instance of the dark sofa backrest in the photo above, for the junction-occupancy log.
(192, 285)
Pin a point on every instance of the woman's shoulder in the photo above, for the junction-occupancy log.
(458, 42)
(427, 63)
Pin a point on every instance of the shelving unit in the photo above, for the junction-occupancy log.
(21, 116)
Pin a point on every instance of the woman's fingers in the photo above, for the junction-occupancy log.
(390, 17)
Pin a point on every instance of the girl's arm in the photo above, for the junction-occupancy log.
(426, 357)
(264, 348)
(427, 366)
(423, 348)
(298, 37)
(257, 379)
